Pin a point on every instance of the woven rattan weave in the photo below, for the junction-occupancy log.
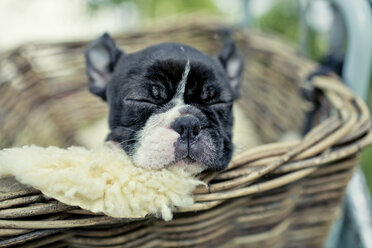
(280, 194)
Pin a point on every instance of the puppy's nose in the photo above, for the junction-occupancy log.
(188, 127)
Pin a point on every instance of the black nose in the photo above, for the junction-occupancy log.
(188, 127)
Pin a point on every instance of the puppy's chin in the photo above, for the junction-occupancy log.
(187, 165)
(191, 168)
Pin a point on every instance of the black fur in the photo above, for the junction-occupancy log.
(142, 84)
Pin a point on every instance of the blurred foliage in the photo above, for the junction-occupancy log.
(283, 19)
(152, 9)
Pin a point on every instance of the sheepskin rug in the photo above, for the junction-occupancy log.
(102, 179)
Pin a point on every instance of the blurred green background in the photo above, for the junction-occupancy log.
(280, 17)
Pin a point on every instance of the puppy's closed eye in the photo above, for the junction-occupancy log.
(136, 100)
(210, 96)
(208, 93)
(159, 93)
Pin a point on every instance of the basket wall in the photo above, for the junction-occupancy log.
(276, 195)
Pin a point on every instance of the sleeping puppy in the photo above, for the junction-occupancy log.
(169, 104)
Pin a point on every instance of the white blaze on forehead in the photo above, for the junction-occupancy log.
(182, 84)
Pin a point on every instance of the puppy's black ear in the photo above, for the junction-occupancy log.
(101, 56)
(233, 63)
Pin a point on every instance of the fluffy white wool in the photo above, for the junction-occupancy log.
(102, 179)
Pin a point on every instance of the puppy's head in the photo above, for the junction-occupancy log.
(170, 104)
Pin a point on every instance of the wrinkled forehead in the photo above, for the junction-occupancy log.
(173, 72)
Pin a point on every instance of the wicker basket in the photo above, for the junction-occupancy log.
(283, 194)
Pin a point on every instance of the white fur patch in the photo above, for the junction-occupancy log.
(156, 140)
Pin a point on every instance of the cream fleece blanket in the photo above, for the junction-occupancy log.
(102, 179)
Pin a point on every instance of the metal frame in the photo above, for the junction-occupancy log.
(358, 57)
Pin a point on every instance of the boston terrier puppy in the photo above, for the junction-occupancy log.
(169, 104)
